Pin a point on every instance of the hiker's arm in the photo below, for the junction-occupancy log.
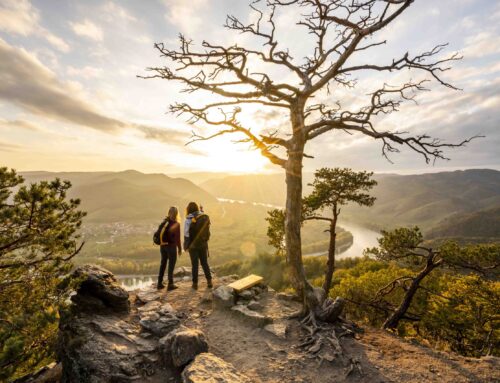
(178, 238)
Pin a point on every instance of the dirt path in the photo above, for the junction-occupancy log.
(266, 358)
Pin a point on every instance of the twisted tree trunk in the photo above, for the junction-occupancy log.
(293, 220)
(393, 320)
(330, 265)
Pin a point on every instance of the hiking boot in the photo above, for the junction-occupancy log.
(160, 286)
(209, 284)
(195, 286)
(172, 287)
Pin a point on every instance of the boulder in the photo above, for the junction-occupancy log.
(208, 368)
(181, 346)
(251, 317)
(223, 297)
(159, 324)
(98, 290)
(254, 305)
(246, 294)
(229, 278)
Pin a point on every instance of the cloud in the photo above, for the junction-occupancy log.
(18, 124)
(9, 147)
(186, 15)
(162, 135)
(21, 18)
(85, 72)
(26, 82)
(112, 10)
(88, 29)
(482, 44)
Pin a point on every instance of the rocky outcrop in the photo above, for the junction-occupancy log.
(48, 374)
(98, 290)
(181, 346)
(158, 319)
(103, 338)
(97, 348)
(209, 368)
(100, 341)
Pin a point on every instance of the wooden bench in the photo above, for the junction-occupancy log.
(246, 283)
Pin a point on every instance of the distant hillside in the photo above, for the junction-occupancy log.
(483, 224)
(200, 177)
(428, 199)
(269, 188)
(128, 195)
(424, 199)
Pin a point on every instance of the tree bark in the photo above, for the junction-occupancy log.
(293, 220)
(330, 264)
(293, 205)
(393, 320)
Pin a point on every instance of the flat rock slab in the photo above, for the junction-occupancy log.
(251, 317)
(150, 306)
(278, 329)
(149, 295)
(246, 283)
(208, 368)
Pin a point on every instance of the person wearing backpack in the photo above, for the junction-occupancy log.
(168, 236)
(196, 236)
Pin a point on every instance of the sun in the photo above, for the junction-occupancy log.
(230, 157)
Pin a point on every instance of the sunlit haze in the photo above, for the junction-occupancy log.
(70, 98)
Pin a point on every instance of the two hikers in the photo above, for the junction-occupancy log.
(196, 236)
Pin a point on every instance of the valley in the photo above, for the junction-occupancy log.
(124, 209)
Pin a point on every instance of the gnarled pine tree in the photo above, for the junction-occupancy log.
(241, 77)
(38, 238)
(333, 188)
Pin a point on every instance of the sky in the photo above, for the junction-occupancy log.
(70, 98)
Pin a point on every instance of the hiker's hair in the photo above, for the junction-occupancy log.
(173, 214)
(192, 207)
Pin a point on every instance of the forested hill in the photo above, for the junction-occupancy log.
(481, 225)
(128, 195)
(424, 199)
(428, 199)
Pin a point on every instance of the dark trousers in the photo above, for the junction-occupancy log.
(199, 255)
(168, 254)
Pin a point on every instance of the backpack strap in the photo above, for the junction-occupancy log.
(165, 226)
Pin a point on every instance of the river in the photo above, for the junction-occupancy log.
(362, 237)
(133, 282)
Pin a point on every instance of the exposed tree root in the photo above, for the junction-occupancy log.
(323, 331)
(354, 365)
